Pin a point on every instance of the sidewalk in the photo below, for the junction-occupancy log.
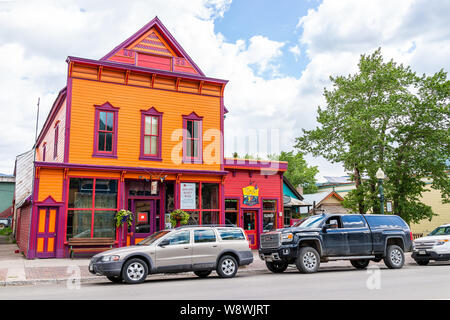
(16, 270)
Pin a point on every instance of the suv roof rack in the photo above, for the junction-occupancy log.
(206, 226)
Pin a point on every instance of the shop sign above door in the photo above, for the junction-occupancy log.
(251, 197)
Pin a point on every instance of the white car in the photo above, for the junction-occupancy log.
(435, 246)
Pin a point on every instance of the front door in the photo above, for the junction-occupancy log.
(176, 254)
(250, 226)
(144, 220)
(335, 238)
(46, 233)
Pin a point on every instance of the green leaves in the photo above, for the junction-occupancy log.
(298, 172)
(386, 116)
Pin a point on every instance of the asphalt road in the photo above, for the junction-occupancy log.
(411, 282)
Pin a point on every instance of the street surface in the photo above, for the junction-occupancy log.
(411, 282)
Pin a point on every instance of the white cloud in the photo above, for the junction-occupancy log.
(295, 50)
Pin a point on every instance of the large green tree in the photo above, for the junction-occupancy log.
(298, 171)
(386, 116)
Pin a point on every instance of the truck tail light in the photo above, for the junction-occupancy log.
(411, 236)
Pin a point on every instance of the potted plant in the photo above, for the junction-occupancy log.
(123, 217)
(178, 217)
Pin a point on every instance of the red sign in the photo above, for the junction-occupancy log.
(142, 216)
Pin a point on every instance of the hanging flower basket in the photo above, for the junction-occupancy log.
(124, 217)
(178, 217)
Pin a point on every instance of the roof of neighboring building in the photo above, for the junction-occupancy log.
(319, 197)
(7, 212)
(289, 189)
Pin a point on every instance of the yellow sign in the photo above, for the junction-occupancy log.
(251, 195)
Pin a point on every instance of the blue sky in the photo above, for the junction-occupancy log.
(276, 20)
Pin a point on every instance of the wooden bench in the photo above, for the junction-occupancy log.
(89, 245)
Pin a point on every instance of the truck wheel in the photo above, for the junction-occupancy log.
(395, 258)
(2, 226)
(203, 273)
(276, 267)
(308, 260)
(422, 262)
(360, 264)
(134, 271)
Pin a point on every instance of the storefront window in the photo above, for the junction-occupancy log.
(269, 215)
(91, 208)
(142, 188)
(206, 210)
(231, 211)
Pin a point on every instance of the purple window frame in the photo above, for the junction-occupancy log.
(152, 112)
(44, 151)
(193, 117)
(106, 107)
(55, 143)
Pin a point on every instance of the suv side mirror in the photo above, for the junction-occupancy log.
(164, 243)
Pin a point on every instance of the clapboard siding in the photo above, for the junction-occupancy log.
(131, 100)
(49, 138)
(50, 184)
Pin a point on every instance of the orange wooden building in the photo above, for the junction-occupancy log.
(140, 129)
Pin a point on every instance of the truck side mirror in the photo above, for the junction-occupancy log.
(326, 226)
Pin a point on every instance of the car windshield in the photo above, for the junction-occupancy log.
(149, 240)
(310, 222)
(441, 231)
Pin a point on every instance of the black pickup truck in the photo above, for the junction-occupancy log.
(327, 237)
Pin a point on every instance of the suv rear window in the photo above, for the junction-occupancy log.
(387, 222)
(231, 234)
(206, 235)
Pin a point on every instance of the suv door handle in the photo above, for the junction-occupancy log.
(186, 248)
(214, 246)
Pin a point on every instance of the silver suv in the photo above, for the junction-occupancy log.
(200, 249)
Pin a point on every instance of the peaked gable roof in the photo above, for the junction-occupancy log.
(153, 46)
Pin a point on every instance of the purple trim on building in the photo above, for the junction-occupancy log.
(260, 164)
(132, 169)
(52, 114)
(68, 117)
(122, 66)
(155, 22)
(193, 117)
(153, 113)
(222, 116)
(31, 254)
(55, 143)
(107, 107)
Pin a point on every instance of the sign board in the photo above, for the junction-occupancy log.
(251, 197)
(142, 217)
(154, 188)
(187, 196)
(389, 206)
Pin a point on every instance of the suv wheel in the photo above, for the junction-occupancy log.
(422, 262)
(203, 273)
(276, 267)
(308, 260)
(395, 258)
(227, 267)
(134, 271)
(115, 279)
(360, 264)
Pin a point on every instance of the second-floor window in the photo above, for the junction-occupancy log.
(55, 145)
(105, 132)
(192, 146)
(151, 134)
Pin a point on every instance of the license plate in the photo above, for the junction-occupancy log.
(422, 252)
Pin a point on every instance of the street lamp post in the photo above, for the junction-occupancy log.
(380, 176)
